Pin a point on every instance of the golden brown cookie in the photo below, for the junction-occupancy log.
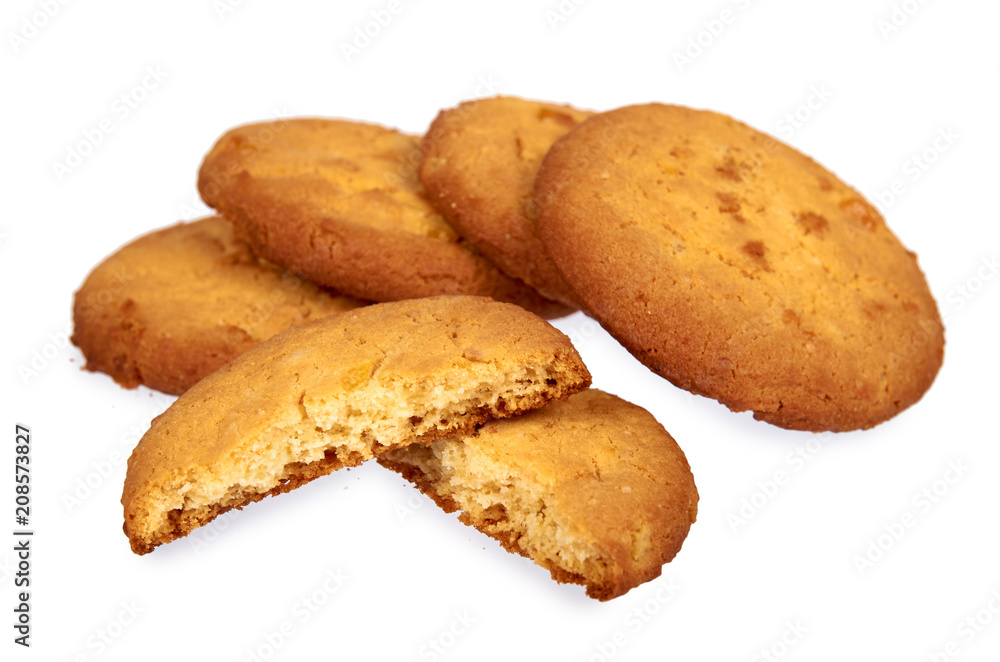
(177, 304)
(738, 268)
(339, 203)
(479, 166)
(593, 489)
(335, 393)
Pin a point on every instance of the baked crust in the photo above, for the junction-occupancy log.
(479, 165)
(177, 304)
(738, 268)
(339, 203)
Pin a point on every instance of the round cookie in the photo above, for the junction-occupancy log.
(738, 268)
(335, 393)
(175, 305)
(479, 166)
(339, 203)
(591, 488)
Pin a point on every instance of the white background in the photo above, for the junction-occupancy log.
(790, 571)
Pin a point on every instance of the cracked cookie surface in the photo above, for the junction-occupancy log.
(339, 203)
(479, 166)
(335, 393)
(591, 488)
(738, 268)
(175, 305)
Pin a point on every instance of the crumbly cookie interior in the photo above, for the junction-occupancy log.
(518, 512)
(341, 427)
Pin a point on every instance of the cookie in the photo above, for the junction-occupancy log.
(479, 166)
(593, 489)
(738, 268)
(334, 393)
(339, 203)
(177, 304)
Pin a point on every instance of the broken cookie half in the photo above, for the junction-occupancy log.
(334, 393)
(593, 489)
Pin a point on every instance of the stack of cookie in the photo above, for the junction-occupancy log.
(727, 262)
